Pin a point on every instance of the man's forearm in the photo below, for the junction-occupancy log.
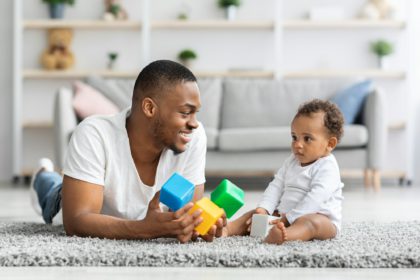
(103, 226)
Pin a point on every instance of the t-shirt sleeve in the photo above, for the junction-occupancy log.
(85, 158)
(195, 164)
(325, 181)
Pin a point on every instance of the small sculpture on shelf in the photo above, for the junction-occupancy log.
(114, 11)
(112, 56)
(230, 7)
(186, 57)
(58, 54)
(382, 49)
(56, 7)
(378, 9)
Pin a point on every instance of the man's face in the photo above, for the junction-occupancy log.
(176, 118)
(310, 139)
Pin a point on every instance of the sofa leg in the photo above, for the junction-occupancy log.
(367, 178)
(376, 180)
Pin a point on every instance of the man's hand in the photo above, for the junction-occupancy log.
(179, 223)
(215, 230)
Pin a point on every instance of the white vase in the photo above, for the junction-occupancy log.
(383, 62)
(231, 12)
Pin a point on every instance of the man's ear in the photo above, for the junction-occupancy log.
(148, 107)
(332, 142)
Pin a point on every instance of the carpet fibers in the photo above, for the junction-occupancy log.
(361, 245)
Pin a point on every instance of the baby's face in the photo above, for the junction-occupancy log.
(310, 138)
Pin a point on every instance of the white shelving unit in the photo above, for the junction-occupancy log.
(147, 26)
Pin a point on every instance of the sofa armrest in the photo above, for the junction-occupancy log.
(374, 117)
(65, 122)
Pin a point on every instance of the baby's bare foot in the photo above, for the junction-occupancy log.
(277, 234)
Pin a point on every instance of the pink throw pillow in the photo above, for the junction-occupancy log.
(87, 101)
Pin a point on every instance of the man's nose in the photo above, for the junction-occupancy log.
(192, 122)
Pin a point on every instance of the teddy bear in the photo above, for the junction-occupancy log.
(377, 9)
(114, 10)
(58, 54)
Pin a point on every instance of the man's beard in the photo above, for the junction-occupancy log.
(159, 135)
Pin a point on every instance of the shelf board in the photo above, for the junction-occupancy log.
(76, 74)
(373, 73)
(40, 124)
(397, 125)
(235, 74)
(211, 24)
(79, 74)
(81, 24)
(339, 24)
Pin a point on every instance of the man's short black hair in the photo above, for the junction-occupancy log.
(157, 76)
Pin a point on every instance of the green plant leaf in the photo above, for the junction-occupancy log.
(227, 3)
(381, 48)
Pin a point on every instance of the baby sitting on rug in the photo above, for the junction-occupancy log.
(306, 190)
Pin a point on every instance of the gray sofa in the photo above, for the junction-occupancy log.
(248, 125)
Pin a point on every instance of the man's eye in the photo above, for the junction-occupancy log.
(185, 113)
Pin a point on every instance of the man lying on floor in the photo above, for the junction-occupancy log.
(115, 165)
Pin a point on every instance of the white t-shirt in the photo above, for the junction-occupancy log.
(99, 153)
(299, 190)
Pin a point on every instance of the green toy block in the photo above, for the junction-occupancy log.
(229, 197)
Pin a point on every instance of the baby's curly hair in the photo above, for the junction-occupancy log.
(333, 118)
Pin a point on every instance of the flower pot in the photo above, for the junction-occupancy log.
(187, 63)
(231, 12)
(383, 62)
(56, 10)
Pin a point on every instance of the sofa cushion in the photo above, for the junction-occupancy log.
(271, 103)
(254, 139)
(350, 100)
(272, 138)
(354, 136)
(87, 101)
(212, 137)
(211, 98)
(116, 90)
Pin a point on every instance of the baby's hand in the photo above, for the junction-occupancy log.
(259, 210)
(262, 211)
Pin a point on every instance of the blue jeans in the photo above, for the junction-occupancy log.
(48, 188)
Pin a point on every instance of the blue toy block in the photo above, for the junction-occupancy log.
(176, 192)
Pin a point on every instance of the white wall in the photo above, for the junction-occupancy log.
(217, 49)
(6, 27)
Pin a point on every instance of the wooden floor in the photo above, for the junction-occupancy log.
(391, 204)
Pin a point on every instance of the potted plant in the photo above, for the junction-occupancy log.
(186, 57)
(382, 49)
(56, 7)
(112, 58)
(230, 7)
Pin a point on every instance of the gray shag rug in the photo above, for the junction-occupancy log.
(361, 245)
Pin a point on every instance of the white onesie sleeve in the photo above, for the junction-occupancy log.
(272, 194)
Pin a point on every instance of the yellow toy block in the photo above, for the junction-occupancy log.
(211, 212)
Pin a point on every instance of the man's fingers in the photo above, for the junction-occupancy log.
(154, 203)
(180, 212)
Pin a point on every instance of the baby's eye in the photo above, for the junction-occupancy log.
(294, 138)
(307, 139)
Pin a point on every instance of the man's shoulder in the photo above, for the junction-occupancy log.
(100, 123)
